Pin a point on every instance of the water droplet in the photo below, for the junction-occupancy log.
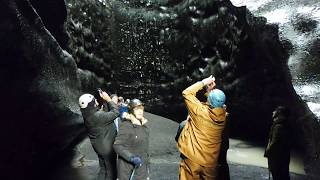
(163, 8)
(192, 8)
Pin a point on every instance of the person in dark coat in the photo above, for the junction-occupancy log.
(132, 143)
(278, 149)
(101, 132)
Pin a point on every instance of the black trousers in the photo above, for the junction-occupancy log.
(107, 167)
(279, 168)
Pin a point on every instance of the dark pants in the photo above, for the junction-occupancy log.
(107, 156)
(223, 170)
(107, 167)
(223, 167)
(279, 169)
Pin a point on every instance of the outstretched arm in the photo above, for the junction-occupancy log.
(108, 117)
(189, 94)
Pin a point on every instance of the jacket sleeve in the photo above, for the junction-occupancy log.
(108, 117)
(189, 95)
(120, 144)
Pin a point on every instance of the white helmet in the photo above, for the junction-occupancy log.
(85, 99)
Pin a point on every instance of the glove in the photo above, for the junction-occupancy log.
(208, 80)
(136, 161)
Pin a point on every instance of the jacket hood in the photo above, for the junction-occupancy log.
(217, 114)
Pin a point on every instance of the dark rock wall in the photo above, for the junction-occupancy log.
(39, 91)
(88, 25)
(151, 50)
(164, 47)
(161, 47)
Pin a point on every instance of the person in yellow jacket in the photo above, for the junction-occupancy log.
(200, 139)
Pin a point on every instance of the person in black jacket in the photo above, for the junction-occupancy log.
(278, 149)
(132, 143)
(101, 132)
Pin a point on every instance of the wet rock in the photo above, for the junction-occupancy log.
(54, 16)
(246, 56)
(211, 37)
(88, 26)
(40, 85)
(311, 60)
(164, 47)
(154, 50)
(304, 24)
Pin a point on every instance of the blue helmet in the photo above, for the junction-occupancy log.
(216, 98)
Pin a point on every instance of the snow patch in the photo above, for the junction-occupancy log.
(252, 5)
(278, 16)
(315, 108)
(313, 12)
(305, 9)
(309, 90)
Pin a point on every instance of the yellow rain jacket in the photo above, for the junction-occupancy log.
(200, 139)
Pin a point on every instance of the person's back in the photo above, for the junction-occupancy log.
(223, 167)
(101, 129)
(206, 132)
(200, 139)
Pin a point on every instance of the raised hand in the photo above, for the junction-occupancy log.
(209, 81)
(104, 96)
